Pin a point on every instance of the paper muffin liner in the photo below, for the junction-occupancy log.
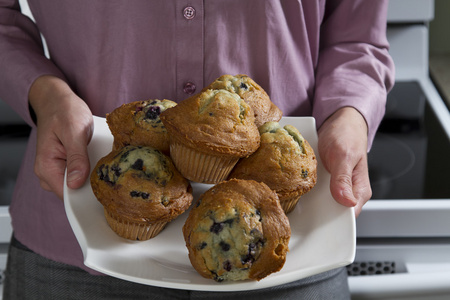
(133, 230)
(288, 203)
(200, 167)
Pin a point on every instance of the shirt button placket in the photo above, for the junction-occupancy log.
(189, 88)
(189, 12)
(189, 47)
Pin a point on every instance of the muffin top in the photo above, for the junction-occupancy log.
(138, 123)
(252, 93)
(237, 231)
(272, 132)
(140, 183)
(214, 122)
(284, 161)
(148, 111)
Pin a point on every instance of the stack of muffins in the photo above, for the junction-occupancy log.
(227, 135)
(137, 184)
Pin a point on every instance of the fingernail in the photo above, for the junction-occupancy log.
(74, 175)
(351, 200)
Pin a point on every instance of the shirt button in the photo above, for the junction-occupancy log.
(189, 12)
(189, 88)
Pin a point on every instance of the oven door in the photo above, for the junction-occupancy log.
(403, 233)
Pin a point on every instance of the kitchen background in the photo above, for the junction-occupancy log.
(440, 48)
(404, 233)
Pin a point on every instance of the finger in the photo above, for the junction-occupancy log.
(45, 186)
(341, 184)
(78, 160)
(361, 185)
(77, 168)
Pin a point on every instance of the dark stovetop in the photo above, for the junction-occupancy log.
(410, 156)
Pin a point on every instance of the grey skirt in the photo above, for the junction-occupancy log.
(31, 276)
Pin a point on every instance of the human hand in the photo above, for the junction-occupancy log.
(64, 129)
(343, 151)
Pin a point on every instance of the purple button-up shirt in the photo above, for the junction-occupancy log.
(312, 57)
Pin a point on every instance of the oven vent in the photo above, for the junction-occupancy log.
(362, 268)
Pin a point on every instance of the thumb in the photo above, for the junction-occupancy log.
(78, 166)
(341, 185)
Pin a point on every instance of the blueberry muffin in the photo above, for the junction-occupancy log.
(140, 190)
(138, 123)
(208, 133)
(253, 94)
(285, 161)
(237, 231)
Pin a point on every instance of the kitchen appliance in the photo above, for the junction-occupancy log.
(403, 244)
(403, 233)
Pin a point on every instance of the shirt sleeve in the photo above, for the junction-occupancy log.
(354, 67)
(22, 58)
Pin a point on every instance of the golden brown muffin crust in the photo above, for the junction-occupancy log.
(285, 161)
(248, 210)
(138, 123)
(252, 93)
(141, 184)
(214, 122)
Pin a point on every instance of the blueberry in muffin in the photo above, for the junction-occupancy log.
(237, 231)
(140, 190)
(138, 124)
